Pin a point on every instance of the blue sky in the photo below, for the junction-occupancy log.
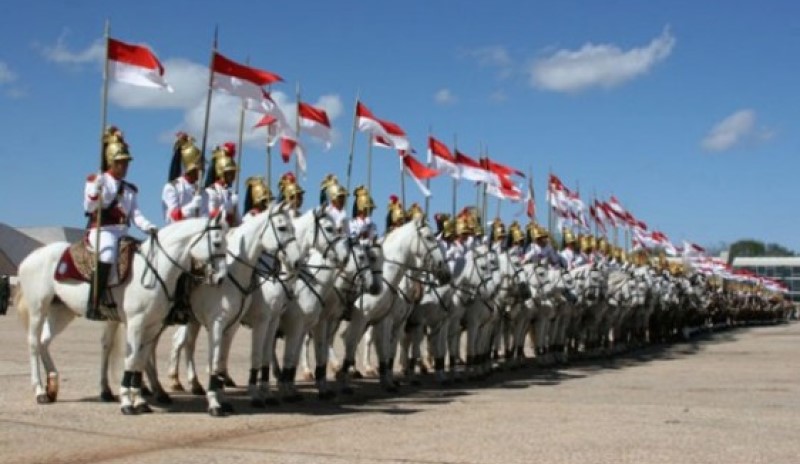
(687, 111)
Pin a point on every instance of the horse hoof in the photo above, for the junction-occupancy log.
(198, 390)
(177, 387)
(357, 374)
(163, 398)
(107, 397)
(143, 408)
(43, 399)
(348, 391)
(258, 403)
(227, 407)
(146, 391)
(271, 401)
(216, 412)
(128, 410)
(228, 381)
(307, 376)
(327, 395)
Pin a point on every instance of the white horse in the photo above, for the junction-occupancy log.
(269, 295)
(410, 246)
(143, 300)
(313, 289)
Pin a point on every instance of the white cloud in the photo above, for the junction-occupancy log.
(61, 54)
(7, 76)
(188, 79)
(445, 97)
(494, 56)
(735, 130)
(604, 65)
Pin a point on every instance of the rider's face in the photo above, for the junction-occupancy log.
(119, 168)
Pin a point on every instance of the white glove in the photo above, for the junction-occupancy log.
(234, 199)
(193, 207)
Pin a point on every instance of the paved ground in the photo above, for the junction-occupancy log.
(730, 398)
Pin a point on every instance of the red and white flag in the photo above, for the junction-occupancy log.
(440, 158)
(266, 121)
(240, 80)
(135, 65)
(417, 171)
(473, 170)
(265, 104)
(502, 169)
(692, 249)
(597, 214)
(530, 202)
(384, 133)
(512, 192)
(315, 122)
(290, 145)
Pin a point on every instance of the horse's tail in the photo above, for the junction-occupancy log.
(21, 306)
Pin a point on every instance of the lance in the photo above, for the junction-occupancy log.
(99, 207)
(352, 140)
(297, 133)
(208, 102)
(455, 178)
(241, 137)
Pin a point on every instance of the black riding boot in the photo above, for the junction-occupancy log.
(93, 312)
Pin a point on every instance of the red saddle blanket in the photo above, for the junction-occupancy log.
(77, 262)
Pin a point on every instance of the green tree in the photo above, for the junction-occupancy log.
(755, 248)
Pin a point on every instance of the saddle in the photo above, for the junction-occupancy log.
(77, 262)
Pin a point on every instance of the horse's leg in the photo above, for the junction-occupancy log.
(367, 342)
(107, 344)
(222, 363)
(178, 344)
(293, 332)
(216, 384)
(351, 337)
(453, 334)
(258, 336)
(273, 320)
(37, 316)
(437, 346)
(141, 338)
(305, 359)
(383, 338)
(192, 331)
(321, 344)
(151, 370)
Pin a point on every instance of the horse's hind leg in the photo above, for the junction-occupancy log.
(151, 370)
(57, 320)
(107, 345)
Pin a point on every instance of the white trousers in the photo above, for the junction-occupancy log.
(109, 237)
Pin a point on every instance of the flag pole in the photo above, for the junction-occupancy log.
(297, 132)
(369, 162)
(269, 152)
(533, 195)
(428, 180)
(352, 140)
(484, 209)
(208, 102)
(549, 202)
(99, 207)
(402, 180)
(455, 179)
(239, 141)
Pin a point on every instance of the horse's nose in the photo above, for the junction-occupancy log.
(375, 288)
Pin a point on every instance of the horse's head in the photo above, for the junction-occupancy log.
(326, 239)
(208, 248)
(357, 269)
(428, 252)
(278, 236)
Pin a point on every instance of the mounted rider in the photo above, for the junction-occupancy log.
(540, 249)
(568, 250)
(291, 192)
(115, 199)
(333, 196)
(181, 197)
(516, 241)
(586, 254)
(219, 184)
(257, 197)
(395, 216)
(361, 226)
(498, 236)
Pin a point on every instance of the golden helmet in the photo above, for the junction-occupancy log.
(363, 201)
(569, 237)
(114, 147)
(396, 215)
(191, 158)
(448, 228)
(223, 164)
(414, 211)
(603, 245)
(335, 191)
(517, 235)
(463, 225)
(287, 178)
(290, 190)
(258, 190)
(586, 243)
(537, 231)
(498, 229)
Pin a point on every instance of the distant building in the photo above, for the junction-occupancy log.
(784, 269)
(17, 243)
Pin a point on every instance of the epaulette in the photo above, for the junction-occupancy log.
(130, 186)
(91, 177)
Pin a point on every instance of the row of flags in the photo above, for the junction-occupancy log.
(137, 65)
(718, 267)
